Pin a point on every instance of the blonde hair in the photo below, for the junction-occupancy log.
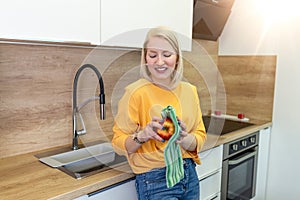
(169, 36)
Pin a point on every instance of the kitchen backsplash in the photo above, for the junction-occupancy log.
(37, 82)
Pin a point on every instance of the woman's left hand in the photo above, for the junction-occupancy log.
(183, 132)
(186, 140)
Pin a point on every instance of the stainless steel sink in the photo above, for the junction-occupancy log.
(85, 161)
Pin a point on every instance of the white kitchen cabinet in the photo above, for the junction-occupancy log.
(262, 163)
(124, 190)
(125, 23)
(106, 22)
(210, 173)
(210, 186)
(51, 20)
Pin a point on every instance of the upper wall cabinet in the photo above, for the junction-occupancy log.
(125, 23)
(51, 20)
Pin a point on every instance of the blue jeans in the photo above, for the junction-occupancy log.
(152, 184)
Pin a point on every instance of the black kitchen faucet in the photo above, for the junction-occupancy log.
(76, 108)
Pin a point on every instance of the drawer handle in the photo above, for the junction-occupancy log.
(209, 175)
(214, 197)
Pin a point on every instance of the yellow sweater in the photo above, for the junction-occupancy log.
(143, 100)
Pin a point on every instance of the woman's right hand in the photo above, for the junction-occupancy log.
(149, 132)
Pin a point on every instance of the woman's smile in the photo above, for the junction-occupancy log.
(161, 69)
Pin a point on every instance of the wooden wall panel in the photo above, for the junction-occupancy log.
(37, 80)
(249, 85)
(200, 69)
(36, 96)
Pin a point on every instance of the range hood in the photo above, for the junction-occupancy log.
(210, 17)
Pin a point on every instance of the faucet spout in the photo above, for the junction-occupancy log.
(76, 133)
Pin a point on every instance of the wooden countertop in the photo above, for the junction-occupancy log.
(25, 177)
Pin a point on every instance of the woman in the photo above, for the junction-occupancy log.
(138, 119)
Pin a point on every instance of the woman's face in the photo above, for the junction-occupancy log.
(161, 60)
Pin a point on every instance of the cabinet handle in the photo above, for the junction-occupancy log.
(212, 197)
(209, 175)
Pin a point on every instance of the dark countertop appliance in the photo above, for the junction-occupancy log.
(221, 126)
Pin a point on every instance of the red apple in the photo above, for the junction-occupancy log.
(168, 129)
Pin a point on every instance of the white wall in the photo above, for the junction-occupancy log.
(246, 33)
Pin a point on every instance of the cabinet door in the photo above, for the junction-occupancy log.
(123, 191)
(125, 23)
(210, 186)
(51, 20)
(211, 161)
(262, 163)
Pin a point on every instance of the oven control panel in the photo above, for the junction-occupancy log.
(240, 145)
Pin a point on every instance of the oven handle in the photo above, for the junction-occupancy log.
(235, 162)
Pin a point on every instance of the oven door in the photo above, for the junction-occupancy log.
(239, 176)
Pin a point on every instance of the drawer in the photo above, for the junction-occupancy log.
(211, 161)
(210, 186)
(213, 197)
(123, 190)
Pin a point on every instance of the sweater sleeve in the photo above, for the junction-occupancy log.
(200, 131)
(197, 128)
(125, 124)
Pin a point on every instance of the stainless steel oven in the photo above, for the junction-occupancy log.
(239, 168)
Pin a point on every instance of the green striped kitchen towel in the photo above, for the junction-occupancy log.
(172, 152)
